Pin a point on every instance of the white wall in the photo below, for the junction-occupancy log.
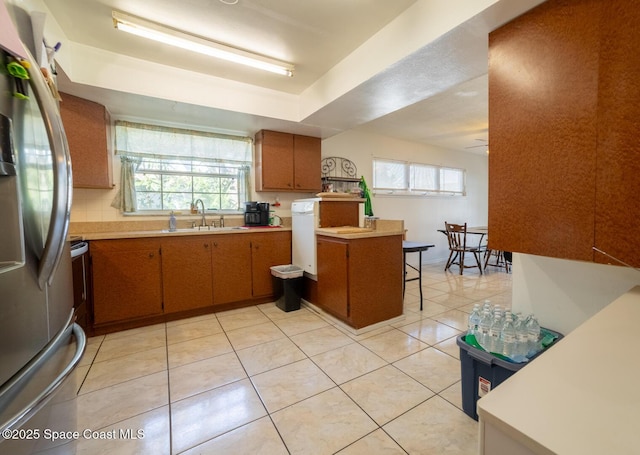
(422, 215)
(564, 294)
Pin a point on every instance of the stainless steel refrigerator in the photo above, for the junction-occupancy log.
(40, 345)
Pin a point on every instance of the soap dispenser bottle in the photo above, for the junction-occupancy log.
(172, 222)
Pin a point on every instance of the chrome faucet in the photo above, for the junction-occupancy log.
(203, 221)
(219, 223)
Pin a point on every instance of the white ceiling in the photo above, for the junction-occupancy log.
(435, 95)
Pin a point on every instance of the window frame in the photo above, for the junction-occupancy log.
(191, 176)
(410, 185)
(205, 165)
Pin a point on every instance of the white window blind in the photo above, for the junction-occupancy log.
(390, 175)
(152, 141)
(403, 178)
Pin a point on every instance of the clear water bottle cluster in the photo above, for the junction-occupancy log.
(512, 335)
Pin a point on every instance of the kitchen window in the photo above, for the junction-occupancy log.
(167, 169)
(403, 178)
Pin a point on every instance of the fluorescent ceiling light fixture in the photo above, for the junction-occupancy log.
(166, 35)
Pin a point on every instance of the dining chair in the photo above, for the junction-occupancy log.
(459, 247)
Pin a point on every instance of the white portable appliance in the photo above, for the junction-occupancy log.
(304, 221)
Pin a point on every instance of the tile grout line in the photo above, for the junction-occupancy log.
(169, 405)
(307, 356)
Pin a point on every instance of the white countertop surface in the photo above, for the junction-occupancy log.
(583, 395)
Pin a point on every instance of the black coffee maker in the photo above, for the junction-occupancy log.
(256, 213)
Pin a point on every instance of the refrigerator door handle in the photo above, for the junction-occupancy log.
(62, 181)
(38, 402)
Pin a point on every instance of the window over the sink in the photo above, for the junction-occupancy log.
(167, 168)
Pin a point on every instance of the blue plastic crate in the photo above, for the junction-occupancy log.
(482, 372)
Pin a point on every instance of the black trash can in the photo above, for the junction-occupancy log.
(287, 286)
(482, 372)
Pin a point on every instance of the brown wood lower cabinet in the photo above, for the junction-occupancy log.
(333, 277)
(127, 279)
(242, 264)
(360, 280)
(267, 250)
(186, 273)
(138, 281)
(231, 259)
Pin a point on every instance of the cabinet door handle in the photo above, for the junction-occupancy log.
(151, 255)
(215, 244)
(206, 245)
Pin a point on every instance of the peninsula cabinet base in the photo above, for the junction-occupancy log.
(360, 280)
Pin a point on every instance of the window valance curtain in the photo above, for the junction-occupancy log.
(152, 141)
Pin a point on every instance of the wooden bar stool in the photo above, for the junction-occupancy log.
(413, 247)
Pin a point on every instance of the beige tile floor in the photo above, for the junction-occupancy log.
(261, 381)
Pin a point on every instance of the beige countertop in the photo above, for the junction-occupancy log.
(356, 233)
(180, 232)
(582, 395)
(141, 229)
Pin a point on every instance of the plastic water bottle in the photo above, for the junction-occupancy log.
(473, 324)
(508, 337)
(494, 332)
(486, 306)
(533, 330)
(522, 336)
(172, 222)
(483, 334)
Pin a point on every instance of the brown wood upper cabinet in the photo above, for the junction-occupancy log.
(88, 131)
(563, 131)
(287, 162)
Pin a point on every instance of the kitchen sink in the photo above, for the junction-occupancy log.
(195, 229)
(230, 228)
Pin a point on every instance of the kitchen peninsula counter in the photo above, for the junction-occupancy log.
(360, 274)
